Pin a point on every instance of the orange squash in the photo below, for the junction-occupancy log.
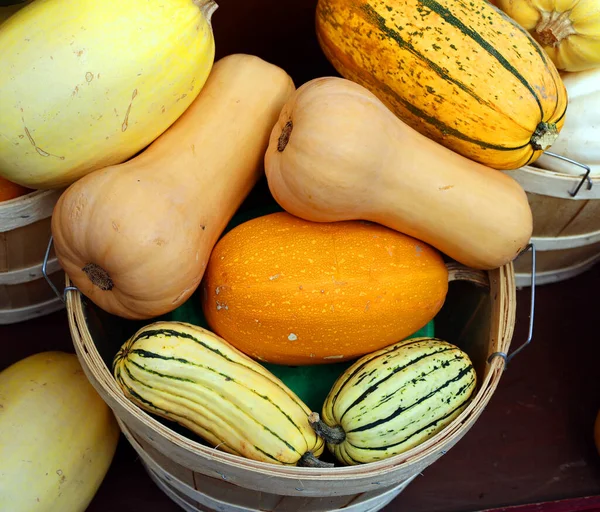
(135, 237)
(338, 153)
(10, 190)
(289, 291)
(462, 73)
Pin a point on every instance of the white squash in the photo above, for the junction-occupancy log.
(57, 436)
(579, 139)
(90, 83)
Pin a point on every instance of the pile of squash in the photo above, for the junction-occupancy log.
(387, 179)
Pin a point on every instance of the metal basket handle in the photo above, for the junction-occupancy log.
(584, 178)
(45, 274)
(508, 357)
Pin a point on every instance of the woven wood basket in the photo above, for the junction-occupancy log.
(566, 228)
(478, 319)
(24, 233)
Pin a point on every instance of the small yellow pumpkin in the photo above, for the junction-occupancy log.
(568, 30)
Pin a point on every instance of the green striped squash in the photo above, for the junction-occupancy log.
(191, 376)
(394, 399)
(462, 73)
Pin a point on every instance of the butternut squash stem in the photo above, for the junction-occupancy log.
(458, 272)
(284, 138)
(331, 435)
(98, 276)
(208, 7)
(308, 460)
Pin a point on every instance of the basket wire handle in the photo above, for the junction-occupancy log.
(45, 274)
(504, 355)
(584, 178)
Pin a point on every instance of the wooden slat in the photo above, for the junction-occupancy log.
(31, 293)
(549, 261)
(553, 216)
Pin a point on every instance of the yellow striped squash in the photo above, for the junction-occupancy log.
(462, 73)
(395, 399)
(191, 376)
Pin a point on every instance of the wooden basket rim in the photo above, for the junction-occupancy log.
(503, 293)
(151, 465)
(537, 180)
(555, 243)
(27, 209)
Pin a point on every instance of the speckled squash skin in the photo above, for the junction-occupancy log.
(289, 291)
(463, 74)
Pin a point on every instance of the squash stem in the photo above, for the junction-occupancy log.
(308, 460)
(331, 435)
(284, 138)
(544, 136)
(458, 272)
(208, 8)
(553, 27)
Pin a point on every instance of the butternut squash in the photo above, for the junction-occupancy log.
(461, 73)
(288, 291)
(86, 84)
(135, 238)
(338, 153)
(57, 436)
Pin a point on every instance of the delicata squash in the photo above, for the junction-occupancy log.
(338, 153)
(394, 399)
(462, 73)
(189, 375)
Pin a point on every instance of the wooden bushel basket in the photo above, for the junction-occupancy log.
(566, 224)
(480, 320)
(24, 233)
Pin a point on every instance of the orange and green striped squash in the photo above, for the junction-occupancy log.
(462, 73)
(285, 290)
